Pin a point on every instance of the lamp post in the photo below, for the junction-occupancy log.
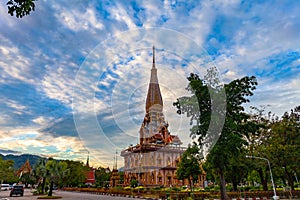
(275, 197)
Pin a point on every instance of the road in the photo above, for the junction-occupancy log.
(4, 195)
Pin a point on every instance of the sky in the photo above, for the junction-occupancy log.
(74, 74)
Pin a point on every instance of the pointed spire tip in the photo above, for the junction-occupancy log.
(153, 48)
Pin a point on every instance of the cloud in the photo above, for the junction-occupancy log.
(8, 151)
(77, 19)
(69, 58)
(32, 141)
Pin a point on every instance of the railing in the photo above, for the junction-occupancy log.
(153, 147)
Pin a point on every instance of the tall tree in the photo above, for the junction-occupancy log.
(236, 171)
(231, 137)
(56, 171)
(7, 171)
(189, 166)
(256, 142)
(279, 142)
(102, 177)
(40, 172)
(284, 144)
(76, 175)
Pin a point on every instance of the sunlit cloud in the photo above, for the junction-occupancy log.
(94, 58)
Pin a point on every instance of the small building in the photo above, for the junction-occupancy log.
(90, 174)
(24, 169)
(24, 172)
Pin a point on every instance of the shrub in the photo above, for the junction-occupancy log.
(133, 183)
(127, 188)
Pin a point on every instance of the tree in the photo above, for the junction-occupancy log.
(237, 169)
(279, 142)
(76, 175)
(257, 142)
(231, 138)
(55, 171)
(189, 166)
(20, 7)
(284, 144)
(7, 171)
(102, 177)
(40, 172)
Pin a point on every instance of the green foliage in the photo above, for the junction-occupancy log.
(40, 173)
(102, 177)
(283, 147)
(20, 7)
(279, 142)
(7, 174)
(133, 183)
(236, 126)
(76, 174)
(189, 166)
(56, 170)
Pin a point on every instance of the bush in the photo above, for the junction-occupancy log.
(175, 189)
(139, 188)
(133, 183)
(127, 188)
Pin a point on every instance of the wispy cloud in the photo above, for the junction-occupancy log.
(78, 72)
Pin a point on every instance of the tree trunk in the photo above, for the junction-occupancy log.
(234, 185)
(263, 180)
(43, 185)
(50, 189)
(224, 195)
(190, 183)
(290, 179)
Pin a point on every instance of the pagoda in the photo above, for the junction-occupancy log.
(115, 177)
(153, 162)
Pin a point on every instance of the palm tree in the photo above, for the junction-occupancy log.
(56, 170)
(40, 172)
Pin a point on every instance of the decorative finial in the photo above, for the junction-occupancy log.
(153, 48)
(88, 159)
(115, 161)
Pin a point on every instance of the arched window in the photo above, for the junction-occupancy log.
(159, 177)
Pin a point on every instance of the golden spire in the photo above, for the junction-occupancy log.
(154, 96)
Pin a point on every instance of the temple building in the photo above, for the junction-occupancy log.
(90, 178)
(24, 169)
(24, 173)
(153, 162)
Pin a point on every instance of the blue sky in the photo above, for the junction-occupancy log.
(74, 75)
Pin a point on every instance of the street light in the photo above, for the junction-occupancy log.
(275, 196)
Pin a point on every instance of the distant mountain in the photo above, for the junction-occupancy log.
(21, 159)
